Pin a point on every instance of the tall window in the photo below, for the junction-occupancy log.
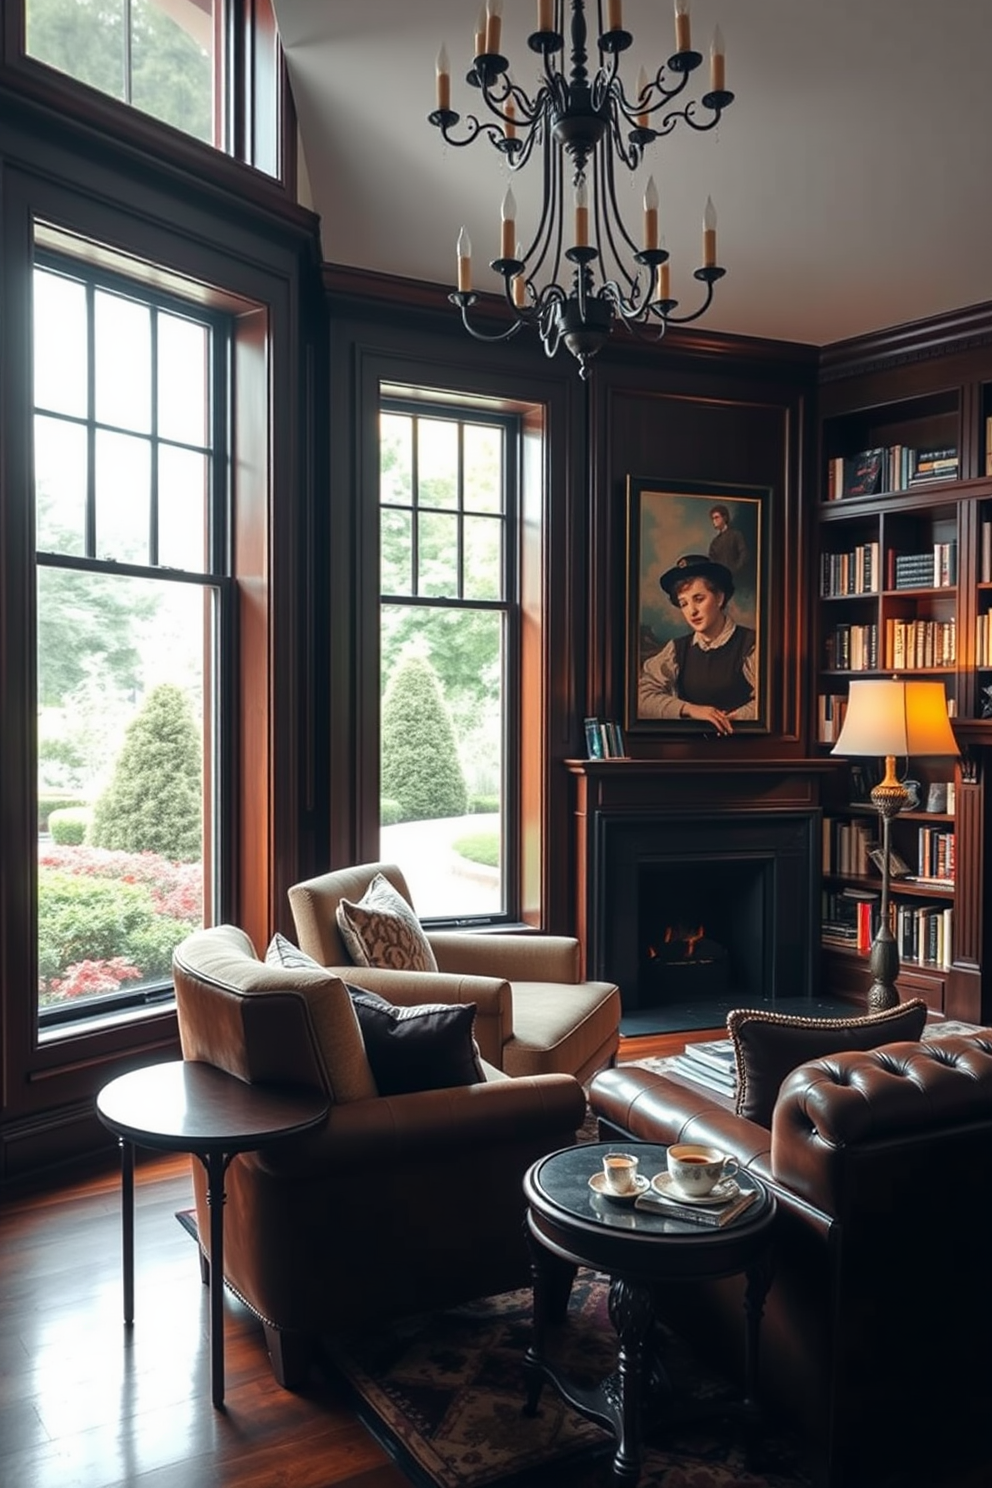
(130, 502)
(448, 483)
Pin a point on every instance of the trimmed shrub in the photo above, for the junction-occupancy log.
(68, 825)
(420, 766)
(153, 801)
(390, 812)
(483, 805)
(100, 919)
(49, 801)
(479, 847)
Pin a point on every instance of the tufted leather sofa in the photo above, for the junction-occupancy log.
(877, 1336)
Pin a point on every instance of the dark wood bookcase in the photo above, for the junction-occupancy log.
(903, 582)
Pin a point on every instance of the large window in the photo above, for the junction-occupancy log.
(130, 503)
(448, 482)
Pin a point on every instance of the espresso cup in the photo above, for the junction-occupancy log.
(620, 1172)
(696, 1170)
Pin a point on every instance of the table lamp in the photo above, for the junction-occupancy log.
(889, 718)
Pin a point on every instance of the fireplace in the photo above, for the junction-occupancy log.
(717, 905)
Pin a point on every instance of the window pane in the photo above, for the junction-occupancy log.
(60, 486)
(437, 471)
(123, 497)
(121, 767)
(59, 312)
(183, 490)
(172, 65)
(483, 468)
(396, 539)
(182, 380)
(396, 459)
(84, 38)
(442, 756)
(123, 363)
(483, 558)
(438, 555)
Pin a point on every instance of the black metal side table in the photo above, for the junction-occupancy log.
(570, 1226)
(188, 1107)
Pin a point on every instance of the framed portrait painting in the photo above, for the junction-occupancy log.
(697, 607)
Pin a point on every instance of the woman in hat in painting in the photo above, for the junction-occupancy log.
(708, 674)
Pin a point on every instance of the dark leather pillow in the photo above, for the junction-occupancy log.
(426, 1047)
(768, 1046)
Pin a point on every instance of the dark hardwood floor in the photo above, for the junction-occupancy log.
(87, 1403)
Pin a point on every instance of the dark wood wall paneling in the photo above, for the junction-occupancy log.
(213, 224)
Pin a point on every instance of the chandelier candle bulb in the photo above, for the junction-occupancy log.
(494, 25)
(709, 235)
(650, 214)
(443, 79)
(643, 117)
(683, 41)
(614, 15)
(718, 63)
(545, 15)
(480, 33)
(464, 250)
(508, 236)
(511, 120)
(663, 281)
(581, 216)
(519, 284)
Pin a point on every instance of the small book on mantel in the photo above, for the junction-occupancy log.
(714, 1217)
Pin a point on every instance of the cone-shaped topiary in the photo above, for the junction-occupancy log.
(153, 801)
(420, 765)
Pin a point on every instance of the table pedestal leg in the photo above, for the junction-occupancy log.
(758, 1279)
(632, 1314)
(127, 1226)
(216, 1166)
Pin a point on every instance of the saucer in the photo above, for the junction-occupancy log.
(598, 1185)
(720, 1193)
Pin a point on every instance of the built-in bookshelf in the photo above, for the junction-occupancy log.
(904, 582)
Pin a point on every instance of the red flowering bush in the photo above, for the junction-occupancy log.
(89, 978)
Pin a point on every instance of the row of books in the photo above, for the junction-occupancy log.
(604, 740)
(936, 855)
(846, 845)
(937, 568)
(922, 932)
(985, 550)
(916, 644)
(830, 710)
(894, 467)
(854, 572)
(852, 648)
(983, 641)
(988, 445)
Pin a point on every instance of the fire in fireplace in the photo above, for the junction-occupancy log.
(687, 962)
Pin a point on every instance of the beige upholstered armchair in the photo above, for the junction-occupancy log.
(401, 1202)
(534, 1015)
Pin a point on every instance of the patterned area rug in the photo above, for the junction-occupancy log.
(444, 1394)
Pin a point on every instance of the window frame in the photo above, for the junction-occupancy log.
(106, 1010)
(464, 411)
(248, 73)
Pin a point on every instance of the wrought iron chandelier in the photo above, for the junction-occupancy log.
(591, 120)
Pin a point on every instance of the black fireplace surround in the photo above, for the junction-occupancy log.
(735, 890)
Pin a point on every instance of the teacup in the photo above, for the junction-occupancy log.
(620, 1172)
(696, 1170)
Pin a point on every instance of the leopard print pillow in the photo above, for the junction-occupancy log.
(382, 930)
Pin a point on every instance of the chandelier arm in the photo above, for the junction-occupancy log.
(708, 277)
(541, 241)
(688, 116)
(612, 216)
(446, 119)
(464, 301)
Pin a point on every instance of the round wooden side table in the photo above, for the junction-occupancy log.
(189, 1107)
(569, 1226)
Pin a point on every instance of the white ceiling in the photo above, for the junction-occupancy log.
(852, 176)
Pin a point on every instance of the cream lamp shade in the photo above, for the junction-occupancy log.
(891, 717)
